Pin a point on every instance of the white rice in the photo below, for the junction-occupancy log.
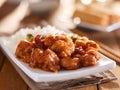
(13, 40)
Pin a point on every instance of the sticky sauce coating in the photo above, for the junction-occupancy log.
(55, 52)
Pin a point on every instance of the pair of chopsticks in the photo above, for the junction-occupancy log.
(105, 50)
(109, 52)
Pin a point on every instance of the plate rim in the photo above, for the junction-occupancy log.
(111, 65)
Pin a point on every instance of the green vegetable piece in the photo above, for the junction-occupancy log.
(74, 37)
(30, 37)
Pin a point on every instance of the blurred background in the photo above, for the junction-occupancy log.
(97, 19)
(63, 14)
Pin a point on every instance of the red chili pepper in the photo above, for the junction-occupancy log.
(38, 42)
(80, 50)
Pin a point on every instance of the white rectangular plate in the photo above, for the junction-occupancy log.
(109, 28)
(9, 44)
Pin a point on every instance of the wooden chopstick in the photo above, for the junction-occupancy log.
(109, 55)
(109, 50)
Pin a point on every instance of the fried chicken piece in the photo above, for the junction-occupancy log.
(36, 58)
(62, 48)
(83, 44)
(70, 63)
(95, 53)
(63, 37)
(80, 46)
(51, 61)
(90, 58)
(49, 40)
(60, 44)
(24, 50)
(92, 44)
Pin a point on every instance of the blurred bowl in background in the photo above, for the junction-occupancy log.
(39, 6)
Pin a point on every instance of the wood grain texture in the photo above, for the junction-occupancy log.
(9, 78)
(2, 57)
(117, 34)
(107, 38)
(29, 89)
(93, 87)
(113, 85)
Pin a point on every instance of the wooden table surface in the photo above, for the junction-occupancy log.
(11, 80)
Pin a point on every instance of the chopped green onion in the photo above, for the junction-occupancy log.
(42, 37)
(74, 37)
(30, 37)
